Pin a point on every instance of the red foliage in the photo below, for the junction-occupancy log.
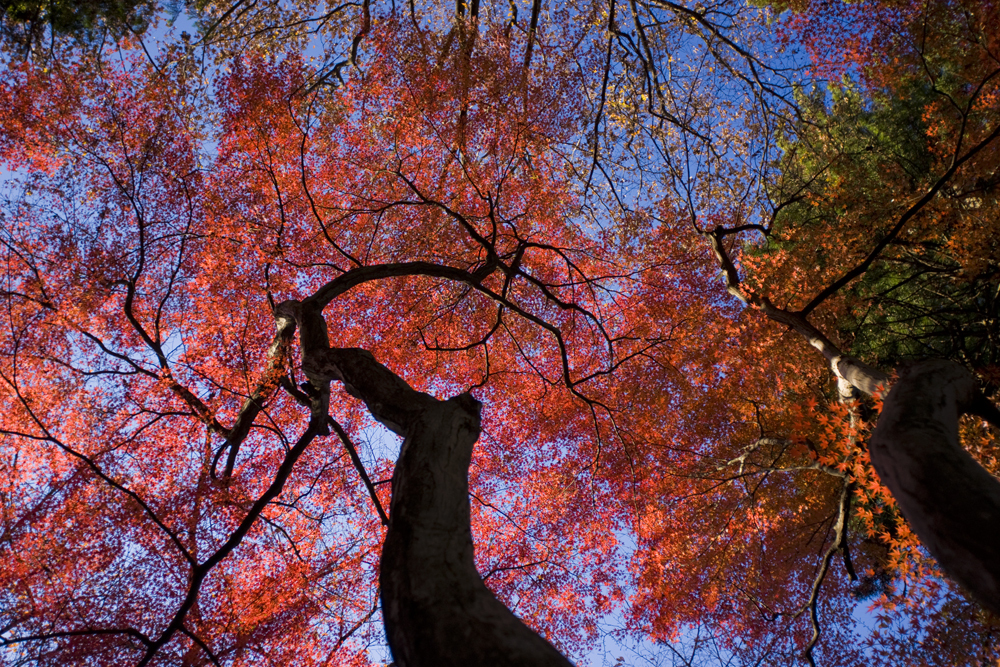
(153, 223)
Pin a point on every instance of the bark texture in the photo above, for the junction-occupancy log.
(950, 501)
(436, 608)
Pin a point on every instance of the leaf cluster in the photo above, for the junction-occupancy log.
(26, 24)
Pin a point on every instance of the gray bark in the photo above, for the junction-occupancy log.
(436, 608)
(950, 501)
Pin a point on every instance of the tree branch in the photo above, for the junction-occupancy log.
(359, 466)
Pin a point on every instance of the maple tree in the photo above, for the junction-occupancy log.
(840, 184)
(225, 262)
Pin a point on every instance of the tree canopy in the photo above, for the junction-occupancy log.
(328, 327)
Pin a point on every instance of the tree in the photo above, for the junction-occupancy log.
(24, 23)
(832, 193)
(527, 215)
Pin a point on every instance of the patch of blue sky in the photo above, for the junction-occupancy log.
(676, 154)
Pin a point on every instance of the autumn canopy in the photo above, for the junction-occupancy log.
(345, 333)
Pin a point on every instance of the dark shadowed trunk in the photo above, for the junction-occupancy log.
(951, 502)
(436, 608)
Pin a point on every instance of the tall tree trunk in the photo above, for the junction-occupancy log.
(951, 502)
(436, 608)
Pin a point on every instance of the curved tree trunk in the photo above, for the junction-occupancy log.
(436, 608)
(951, 502)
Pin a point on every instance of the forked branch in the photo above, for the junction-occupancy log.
(951, 502)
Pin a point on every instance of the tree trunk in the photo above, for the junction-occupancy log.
(950, 501)
(436, 608)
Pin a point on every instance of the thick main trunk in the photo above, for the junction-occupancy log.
(436, 608)
(949, 500)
